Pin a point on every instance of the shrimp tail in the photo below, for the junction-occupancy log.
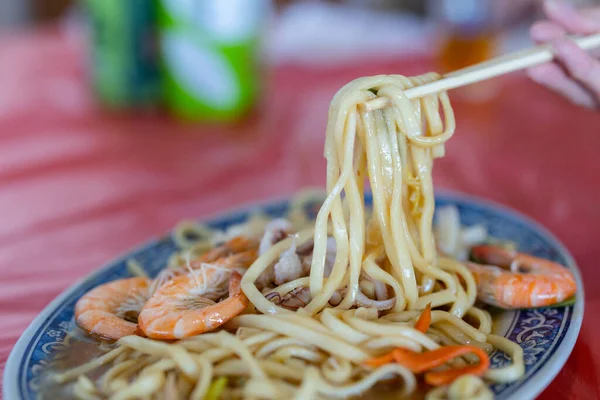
(235, 290)
(139, 332)
(516, 280)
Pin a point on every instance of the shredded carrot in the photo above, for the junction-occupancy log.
(421, 362)
(422, 325)
(448, 376)
(424, 321)
(378, 362)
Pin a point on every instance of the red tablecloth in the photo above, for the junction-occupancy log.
(78, 186)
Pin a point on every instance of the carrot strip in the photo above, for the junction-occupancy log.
(378, 362)
(424, 321)
(446, 377)
(421, 362)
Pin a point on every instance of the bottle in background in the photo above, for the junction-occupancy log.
(124, 62)
(467, 36)
(210, 56)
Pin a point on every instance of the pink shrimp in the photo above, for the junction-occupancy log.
(517, 280)
(237, 254)
(238, 260)
(110, 309)
(238, 244)
(176, 312)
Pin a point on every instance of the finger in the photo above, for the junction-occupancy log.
(554, 77)
(579, 64)
(545, 31)
(573, 20)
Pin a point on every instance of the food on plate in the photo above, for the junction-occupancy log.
(358, 299)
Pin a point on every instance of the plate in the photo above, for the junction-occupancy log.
(547, 335)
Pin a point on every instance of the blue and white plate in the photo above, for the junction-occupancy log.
(546, 335)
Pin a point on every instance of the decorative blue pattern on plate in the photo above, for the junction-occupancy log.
(547, 336)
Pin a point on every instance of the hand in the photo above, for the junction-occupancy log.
(575, 74)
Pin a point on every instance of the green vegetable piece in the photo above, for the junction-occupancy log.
(216, 389)
(565, 303)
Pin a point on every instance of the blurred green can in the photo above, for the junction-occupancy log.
(124, 57)
(210, 56)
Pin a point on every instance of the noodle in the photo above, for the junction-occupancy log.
(467, 386)
(135, 268)
(514, 371)
(318, 351)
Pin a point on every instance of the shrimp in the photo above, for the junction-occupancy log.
(293, 300)
(275, 231)
(237, 253)
(517, 280)
(175, 311)
(238, 260)
(238, 244)
(110, 310)
(289, 266)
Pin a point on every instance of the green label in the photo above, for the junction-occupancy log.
(210, 56)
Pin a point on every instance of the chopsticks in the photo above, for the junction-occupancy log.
(488, 69)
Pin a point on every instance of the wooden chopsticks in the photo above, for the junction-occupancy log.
(486, 70)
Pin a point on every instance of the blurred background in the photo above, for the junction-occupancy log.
(118, 118)
(207, 61)
(143, 112)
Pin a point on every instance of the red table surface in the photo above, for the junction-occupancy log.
(79, 186)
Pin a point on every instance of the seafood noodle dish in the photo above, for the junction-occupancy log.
(362, 301)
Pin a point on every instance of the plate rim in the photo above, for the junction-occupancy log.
(530, 389)
(553, 365)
